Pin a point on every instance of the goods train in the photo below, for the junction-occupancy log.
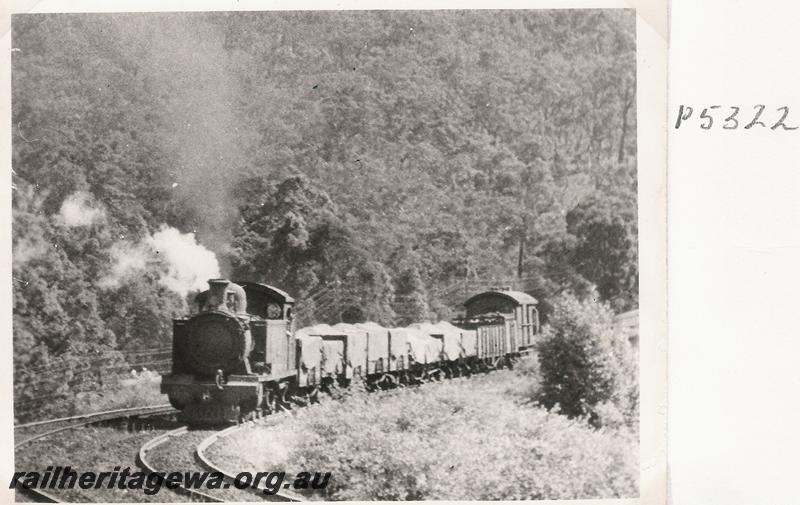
(239, 355)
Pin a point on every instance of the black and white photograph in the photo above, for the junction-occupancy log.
(362, 255)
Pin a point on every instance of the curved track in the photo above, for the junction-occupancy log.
(143, 461)
(79, 421)
(88, 419)
(177, 449)
(205, 461)
(37, 495)
(115, 413)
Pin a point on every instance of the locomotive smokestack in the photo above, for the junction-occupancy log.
(216, 294)
(217, 287)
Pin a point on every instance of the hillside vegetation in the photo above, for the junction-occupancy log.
(376, 165)
(463, 439)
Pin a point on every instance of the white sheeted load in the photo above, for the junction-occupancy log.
(448, 335)
(398, 350)
(356, 346)
(421, 347)
(310, 358)
(377, 347)
(333, 350)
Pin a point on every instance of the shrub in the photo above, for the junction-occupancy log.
(69, 393)
(127, 390)
(530, 387)
(585, 363)
(462, 439)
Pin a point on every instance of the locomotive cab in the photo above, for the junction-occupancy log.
(272, 324)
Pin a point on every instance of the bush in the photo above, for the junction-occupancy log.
(136, 389)
(586, 366)
(456, 440)
(529, 369)
(49, 395)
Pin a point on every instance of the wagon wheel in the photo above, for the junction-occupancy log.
(300, 401)
(266, 403)
(280, 399)
(371, 385)
(331, 388)
(299, 396)
(273, 402)
(258, 411)
(286, 398)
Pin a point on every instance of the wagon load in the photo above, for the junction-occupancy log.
(333, 349)
(448, 335)
(422, 348)
(378, 347)
(398, 351)
(310, 352)
(460, 343)
(355, 347)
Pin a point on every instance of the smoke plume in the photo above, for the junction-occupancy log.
(183, 264)
(189, 264)
(202, 96)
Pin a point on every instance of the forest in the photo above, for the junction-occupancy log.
(376, 165)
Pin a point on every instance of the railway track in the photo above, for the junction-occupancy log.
(94, 415)
(178, 450)
(88, 419)
(44, 429)
(208, 464)
(37, 495)
(144, 461)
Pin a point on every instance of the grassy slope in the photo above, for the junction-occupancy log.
(462, 439)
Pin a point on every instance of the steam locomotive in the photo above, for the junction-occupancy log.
(240, 357)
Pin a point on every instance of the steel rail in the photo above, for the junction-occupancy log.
(37, 495)
(41, 496)
(98, 418)
(145, 464)
(112, 413)
(205, 461)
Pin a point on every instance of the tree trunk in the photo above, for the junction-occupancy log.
(523, 236)
(626, 105)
